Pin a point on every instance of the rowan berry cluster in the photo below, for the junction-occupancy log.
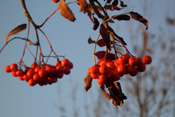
(115, 69)
(41, 74)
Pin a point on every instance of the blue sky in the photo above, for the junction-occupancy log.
(17, 99)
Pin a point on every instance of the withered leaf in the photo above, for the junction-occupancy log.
(111, 7)
(122, 4)
(31, 43)
(103, 54)
(65, 11)
(88, 82)
(96, 23)
(139, 18)
(101, 43)
(83, 5)
(105, 36)
(115, 35)
(115, 3)
(121, 17)
(108, 1)
(90, 41)
(116, 92)
(16, 30)
(107, 95)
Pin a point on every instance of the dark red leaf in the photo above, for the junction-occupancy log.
(122, 4)
(96, 23)
(90, 41)
(111, 7)
(101, 43)
(105, 36)
(102, 54)
(115, 3)
(139, 18)
(121, 17)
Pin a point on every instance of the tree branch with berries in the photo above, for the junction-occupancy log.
(110, 65)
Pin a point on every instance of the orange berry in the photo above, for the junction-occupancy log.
(95, 76)
(14, 73)
(30, 73)
(122, 69)
(147, 59)
(102, 79)
(103, 69)
(32, 82)
(7, 69)
(94, 69)
(14, 67)
(19, 72)
(110, 65)
(20, 77)
(55, 1)
(36, 77)
(132, 70)
(65, 63)
(34, 65)
(115, 76)
(42, 73)
(26, 78)
(66, 70)
(142, 67)
(138, 61)
(132, 61)
(122, 60)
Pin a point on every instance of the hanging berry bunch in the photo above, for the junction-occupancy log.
(40, 72)
(112, 65)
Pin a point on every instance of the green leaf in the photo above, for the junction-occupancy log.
(16, 30)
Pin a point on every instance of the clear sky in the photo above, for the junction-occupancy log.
(17, 99)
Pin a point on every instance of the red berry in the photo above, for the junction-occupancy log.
(32, 82)
(66, 70)
(142, 67)
(65, 63)
(132, 61)
(147, 59)
(14, 73)
(42, 73)
(30, 73)
(7, 69)
(56, 1)
(19, 72)
(132, 70)
(102, 79)
(14, 67)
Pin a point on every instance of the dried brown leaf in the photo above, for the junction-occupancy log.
(122, 4)
(115, 35)
(90, 41)
(111, 7)
(121, 17)
(101, 43)
(139, 18)
(107, 95)
(65, 11)
(105, 36)
(16, 30)
(88, 82)
(115, 3)
(96, 23)
(103, 54)
(83, 5)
